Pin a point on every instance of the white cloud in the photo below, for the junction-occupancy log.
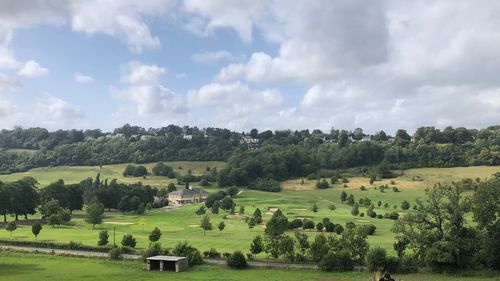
(8, 83)
(122, 19)
(212, 57)
(6, 108)
(32, 69)
(235, 105)
(138, 73)
(57, 110)
(83, 79)
(181, 75)
(206, 16)
(146, 93)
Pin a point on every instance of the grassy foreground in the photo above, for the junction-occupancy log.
(20, 267)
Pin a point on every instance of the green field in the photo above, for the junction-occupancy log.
(74, 174)
(182, 224)
(17, 267)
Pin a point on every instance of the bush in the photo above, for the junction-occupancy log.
(391, 265)
(408, 264)
(237, 260)
(338, 229)
(129, 240)
(296, 223)
(376, 259)
(345, 180)
(362, 188)
(319, 226)
(213, 254)
(115, 254)
(103, 238)
(53, 245)
(266, 185)
(330, 227)
(183, 249)
(307, 224)
(322, 184)
(153, 250)
(336, 261)
(232, 191)
(332, 207)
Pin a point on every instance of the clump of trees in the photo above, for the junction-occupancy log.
(135, 171)
(439, 236)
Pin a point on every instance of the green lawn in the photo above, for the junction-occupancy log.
(182, 224)
(21, 267)
(75, 174)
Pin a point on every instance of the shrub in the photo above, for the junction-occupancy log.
(379, 216)
(362, 188)
(332, 207)
(153, 250)
(115, 254)
(232, 191)
(237, 260)
(395, 189)
(103, 238)
(307, 224)
(53, 245)
(213, 254)
(345, 180)
(266, 185)
(319, 226)
(338, 261)
(350, 225)
(129, 240)
(183, 249)
(322, 184)
(330, 227)
(338, 229)
(408, 264)
(296, 223)
(361, 214)
(376, 259)
(391, 265)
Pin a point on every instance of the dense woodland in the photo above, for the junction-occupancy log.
(280, 154)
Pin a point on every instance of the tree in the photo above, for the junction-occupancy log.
(237, 260)
(405, 205)
(129, 240)
(10, 227)
(256, 247)
(200, 211)
(94, 213)
(343, 196)
(103, 238)
(221, 226)
(215, 208)
(277, 224)
(227, 203)
(155, 235)
(171, 187)
(205, 224)
(160, 169)
(36, 228)
(315, 208)
(242, 210)
(355, 209)
(251, 223)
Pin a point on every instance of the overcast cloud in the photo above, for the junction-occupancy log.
(300, 64)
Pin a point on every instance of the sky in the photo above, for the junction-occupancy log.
(242, 64)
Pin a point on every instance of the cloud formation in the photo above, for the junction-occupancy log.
(32, 69)
(83, 79)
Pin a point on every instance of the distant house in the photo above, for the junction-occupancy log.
(184, 196)
(187, 137)
(366, 138)
(249, 140)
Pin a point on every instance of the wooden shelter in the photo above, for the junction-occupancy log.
(167, 263)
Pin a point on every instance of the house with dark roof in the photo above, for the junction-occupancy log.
(185, 196)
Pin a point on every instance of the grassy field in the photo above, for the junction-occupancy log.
(74, 174)
(182, 224)
(21, 267)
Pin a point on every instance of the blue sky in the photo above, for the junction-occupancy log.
(245, 64)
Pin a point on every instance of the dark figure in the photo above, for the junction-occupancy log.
(386, 277)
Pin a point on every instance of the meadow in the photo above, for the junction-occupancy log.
(75, 174)
(19, 267)
(296, 201)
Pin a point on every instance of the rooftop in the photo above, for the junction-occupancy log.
(188, 191)
(166, 258)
